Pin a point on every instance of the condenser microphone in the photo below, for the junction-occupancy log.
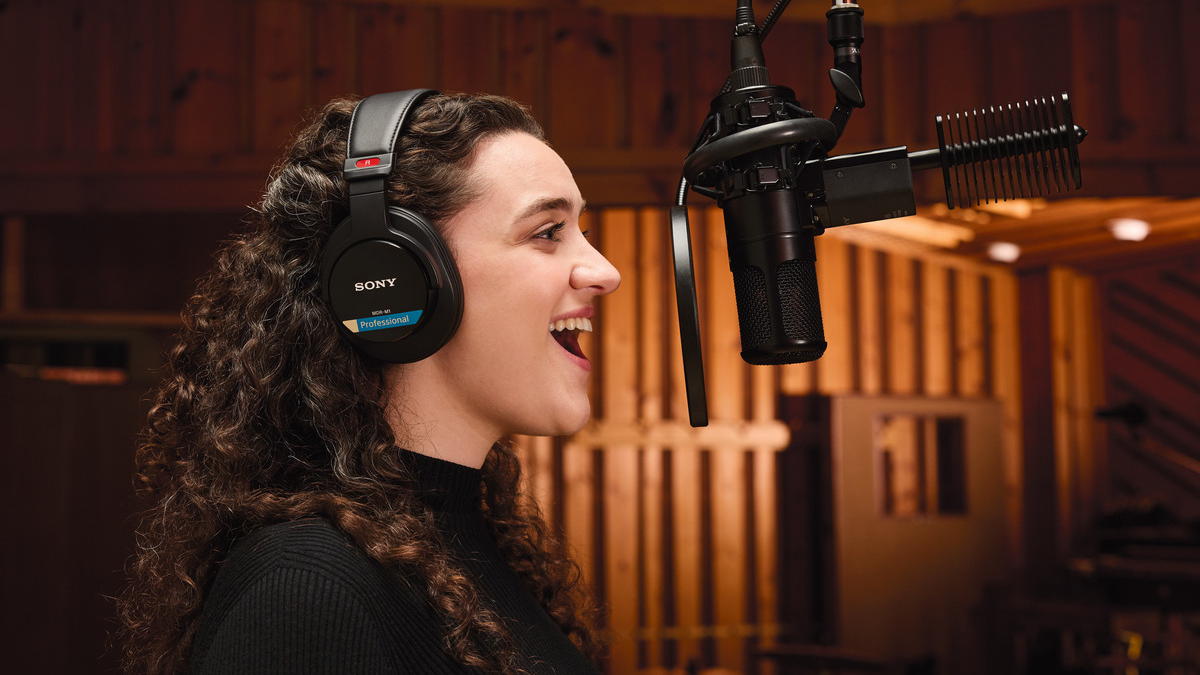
(765, 160)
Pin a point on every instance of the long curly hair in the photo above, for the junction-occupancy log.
(266, 415)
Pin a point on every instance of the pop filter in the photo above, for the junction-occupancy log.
(689, 317)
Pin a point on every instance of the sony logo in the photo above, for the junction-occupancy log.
(372, 285)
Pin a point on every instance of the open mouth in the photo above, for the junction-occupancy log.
(566, 333)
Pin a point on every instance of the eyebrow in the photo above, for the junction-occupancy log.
(549, 204)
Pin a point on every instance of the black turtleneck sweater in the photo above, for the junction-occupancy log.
(301, 598)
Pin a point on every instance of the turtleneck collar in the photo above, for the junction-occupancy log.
(444, 485)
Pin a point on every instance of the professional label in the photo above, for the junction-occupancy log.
(383, 321)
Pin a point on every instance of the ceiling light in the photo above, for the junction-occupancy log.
(1129, 229)
(1004, 251)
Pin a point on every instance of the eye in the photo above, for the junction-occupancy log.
(551, 233)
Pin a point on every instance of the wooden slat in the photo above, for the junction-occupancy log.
(954, 84)
(584, 65)
(653, 281)
(727, 397)
(1006, 360)
(1088, 383)
(335, 45)
(764, 388)
(722, 342)
(398, 48)
(93, 52)
(655, 292)
(1030, 56)
(968, 349)
(687, 535)
(904, 51)
(709, 66)
(143, 57)
(471, 70)
(935, 329)
(658, 84)
(619, 391)
(1094, 86)
(524, 54)
(835, 370)
(206, 77)
(1066, 453)
(1149, 101)
(279, 61)
(1189, 25)
(55, 99)
(870, 337)
(902, 329)
(16, 24)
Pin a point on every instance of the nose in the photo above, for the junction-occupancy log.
(594, 271)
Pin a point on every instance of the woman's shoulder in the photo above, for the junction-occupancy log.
(309, 548)
(301, 588)
(296, 541)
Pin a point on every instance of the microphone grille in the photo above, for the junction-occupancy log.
(801, 304)
(750, 287)
(798, 315)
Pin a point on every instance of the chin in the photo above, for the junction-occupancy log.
(566, 422)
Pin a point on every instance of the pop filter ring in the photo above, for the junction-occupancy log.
(689, 318)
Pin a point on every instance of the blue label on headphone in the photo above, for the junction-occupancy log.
(384, 321)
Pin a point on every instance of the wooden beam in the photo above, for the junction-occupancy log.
(619, 394)
(935, 329)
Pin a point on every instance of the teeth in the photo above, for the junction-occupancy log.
(581, 324)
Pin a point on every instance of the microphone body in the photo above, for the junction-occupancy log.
(771, 251)
(773, 261)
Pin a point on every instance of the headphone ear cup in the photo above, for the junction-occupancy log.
(397, 296)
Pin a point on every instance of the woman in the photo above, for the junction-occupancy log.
(319, 510)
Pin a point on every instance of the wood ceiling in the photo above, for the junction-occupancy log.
(1073, 232)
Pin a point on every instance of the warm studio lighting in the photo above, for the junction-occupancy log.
(1003, 251)
(1129, 229)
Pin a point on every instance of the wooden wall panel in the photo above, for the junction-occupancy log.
(463, 69)
(937, 356)
(1150, 320)
(1006, 364)
(903, 357)
(282, 66)
(524, 58)
(587, 73)
(190, 80)
(334, 64)
(397, 48)
(835, 370)
(660, 112)
(207, 84)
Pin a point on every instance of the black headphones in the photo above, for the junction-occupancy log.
(386, 273)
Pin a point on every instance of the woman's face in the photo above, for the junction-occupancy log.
(526, 266)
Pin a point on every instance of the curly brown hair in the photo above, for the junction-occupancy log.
(267, 415)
